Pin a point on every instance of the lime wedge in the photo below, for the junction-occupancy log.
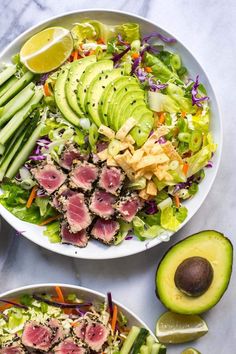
(47, 50)
(175, 328)
(190, 351)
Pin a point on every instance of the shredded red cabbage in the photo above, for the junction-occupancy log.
(121, 41)
(14, 304)
(151, 207)
(110, 304)
(128, 237)
(61, 304)
(197, 100)
(210, 164)
(118, 56)
(162, 140)
(159, 36)
(136, 64)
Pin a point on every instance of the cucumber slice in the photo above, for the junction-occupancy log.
(7, 73)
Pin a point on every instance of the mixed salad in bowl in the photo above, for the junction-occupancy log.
(103, 134)
(58, 323)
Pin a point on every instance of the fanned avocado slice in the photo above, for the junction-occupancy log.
(76, 69)
(145, 122)
(96, 90)
(60, 97)
(110, 93)
(184, 280)
(122, 99)
(127, 110)
(87, 77)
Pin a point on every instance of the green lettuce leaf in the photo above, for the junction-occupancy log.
(14, 199)
(200, 159)
(169, 221)
(144, 231)
(53, 232)
(129, 31)
(123, 232)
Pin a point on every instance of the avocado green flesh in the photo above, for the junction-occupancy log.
(60, 98)
(110, 92)
(213, 246)
(87, 77)
(96, 90)
(145, 122)
(127, 110)
(75, 71)
(127, 98)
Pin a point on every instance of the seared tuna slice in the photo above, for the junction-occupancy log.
(102, 204)
(128, 207)
(79, 329)
(79, 238)
(57, 200)
(13, 349)
(111, 179)
(37, 336)
(59, 333)
(68, 157)
(69, 346)
(105, 230)
(77, 213)
(83, 175)
(96, 335)
(49, 177)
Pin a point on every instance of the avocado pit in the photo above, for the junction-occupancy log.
(194, 276)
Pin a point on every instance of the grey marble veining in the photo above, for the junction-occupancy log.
(208, 29)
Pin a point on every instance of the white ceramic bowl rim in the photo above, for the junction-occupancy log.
(97, 251)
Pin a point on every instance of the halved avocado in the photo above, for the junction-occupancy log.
(87, 77)
(60, 97)
(76, 69)
(96, 90)
(184, 280)
(110, 92)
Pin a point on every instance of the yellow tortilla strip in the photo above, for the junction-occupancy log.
(170, 151)
(103, 155)
(151, 188)
(108, 132)
(125, 129)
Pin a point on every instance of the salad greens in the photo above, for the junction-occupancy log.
(31, 315)
(122, 102)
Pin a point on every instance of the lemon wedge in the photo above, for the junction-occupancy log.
(47, 50)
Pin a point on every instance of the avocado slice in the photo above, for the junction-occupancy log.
(215, 249)
(96, 90)
(145, 122)
(110, 92)
(87, 77)
(124, 98)
(127, 110)
(60, 97)
(75, 71)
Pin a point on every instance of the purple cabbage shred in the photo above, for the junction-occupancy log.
(151, 207)
(110, 303)
(158, 36)
(195, 99)
(14, 304)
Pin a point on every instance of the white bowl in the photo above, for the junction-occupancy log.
(95, 250)
(82, 293)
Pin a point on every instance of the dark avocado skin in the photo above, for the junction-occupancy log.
(180, 242)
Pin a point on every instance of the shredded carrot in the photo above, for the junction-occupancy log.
(177, 201)
(91, 52)
(114, 317)
(47, 221)
(32, 196)
(148, 69)
(162, 118)
(183, 114)
(185, 168)
(59, 294)
(5, 307)
(75, 55)
(100, 41)
(47, 90)
(75, 324)
(135, 55)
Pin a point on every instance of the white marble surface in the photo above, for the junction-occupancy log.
(208, 29)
